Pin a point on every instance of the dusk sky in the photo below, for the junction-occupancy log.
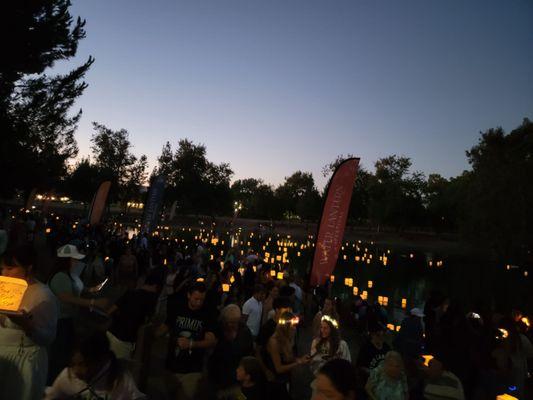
(272, 86)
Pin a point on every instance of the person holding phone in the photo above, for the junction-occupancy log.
(67, 287)
(24, 337)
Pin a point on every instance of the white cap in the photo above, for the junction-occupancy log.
(418, 312)
(69, 251)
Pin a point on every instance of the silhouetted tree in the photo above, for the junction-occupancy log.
(37, 129)
(500, 194)
(198, 185)
(113, 157)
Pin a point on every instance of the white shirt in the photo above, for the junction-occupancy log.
(67, 384)
(254, 310)
(43, 306)
(297, 291)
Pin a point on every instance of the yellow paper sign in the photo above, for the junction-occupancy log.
(11, 292)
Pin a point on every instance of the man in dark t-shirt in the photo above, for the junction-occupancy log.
(191, 329)
(373, 352)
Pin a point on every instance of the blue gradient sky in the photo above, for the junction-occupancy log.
(277, 86)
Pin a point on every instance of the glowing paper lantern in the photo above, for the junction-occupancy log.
(278, 258)
(398, 327)
(404, 303)
(332, 278)
(200, 280)
(357, 258)
(11, 292)
(370, 284)
(385, 301)
(272, 273)
(232, 279)
(280, 275)
(427, 358)
(355, 290)
(298, 254)
(380, 300)
(48, 230)
(364, 295)
(505, 396)
(390, 327)
(225, 287)
(525, 320)
(348, 282)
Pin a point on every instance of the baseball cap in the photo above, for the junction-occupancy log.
(418, 312)
(70, 251)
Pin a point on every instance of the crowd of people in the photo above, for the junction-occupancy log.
(96, 320)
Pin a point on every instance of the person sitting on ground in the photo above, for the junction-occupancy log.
(234, 342)
(252, 380)
(335, 381)
(328, 344)
(442, 384)
(94, 372)
(328, 308)
(388, 381)
(24, 337)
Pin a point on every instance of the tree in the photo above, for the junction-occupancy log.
(396, 194)
(500, 193)
(256, 197)
(198, 185)
(37, 131)
(298, 195)
(83, 181)
(115, 161)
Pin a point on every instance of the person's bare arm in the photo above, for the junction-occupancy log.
(273, 350)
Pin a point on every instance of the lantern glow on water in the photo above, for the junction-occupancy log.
(427, 358)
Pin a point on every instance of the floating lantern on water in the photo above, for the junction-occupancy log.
(427, 358)
(370, 284)
(506, 396)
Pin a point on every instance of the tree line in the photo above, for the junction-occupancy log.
(488, 204)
